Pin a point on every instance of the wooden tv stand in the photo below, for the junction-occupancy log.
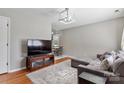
(38, 61)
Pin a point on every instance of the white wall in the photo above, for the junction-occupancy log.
(88, 40)
(25, 26)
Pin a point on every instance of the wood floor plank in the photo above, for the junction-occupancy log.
(19, 77)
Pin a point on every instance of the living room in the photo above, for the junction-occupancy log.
(42, 42)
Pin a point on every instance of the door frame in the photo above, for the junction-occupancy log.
(8, 41)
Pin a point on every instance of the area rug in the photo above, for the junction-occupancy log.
(61, 73)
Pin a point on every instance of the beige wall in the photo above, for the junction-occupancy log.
(23, 27)
(88, 40)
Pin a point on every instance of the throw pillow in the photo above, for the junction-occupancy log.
(105, 64)
(110, 60)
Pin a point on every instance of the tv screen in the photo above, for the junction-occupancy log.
(36, 47)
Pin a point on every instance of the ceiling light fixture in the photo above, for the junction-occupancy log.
(117, 11)
(65, 17)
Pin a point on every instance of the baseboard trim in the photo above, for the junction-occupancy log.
(18, 69)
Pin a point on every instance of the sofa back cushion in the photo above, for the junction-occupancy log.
(118, 66)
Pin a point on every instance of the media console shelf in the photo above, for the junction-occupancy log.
(38, 61)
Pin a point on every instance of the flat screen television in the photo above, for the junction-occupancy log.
(37, 47)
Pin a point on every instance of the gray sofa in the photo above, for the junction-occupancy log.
(113, 77)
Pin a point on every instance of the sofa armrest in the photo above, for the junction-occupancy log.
(75, 63)
(82, 68)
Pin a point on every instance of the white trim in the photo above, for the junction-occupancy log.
(14, 70)
(80, 59)
(8, 42)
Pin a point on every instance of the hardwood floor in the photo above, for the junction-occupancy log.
(19, 77)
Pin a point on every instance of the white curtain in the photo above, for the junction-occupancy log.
(122, 41)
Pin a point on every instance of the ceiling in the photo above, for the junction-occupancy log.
(84, 16)
(81, 16)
